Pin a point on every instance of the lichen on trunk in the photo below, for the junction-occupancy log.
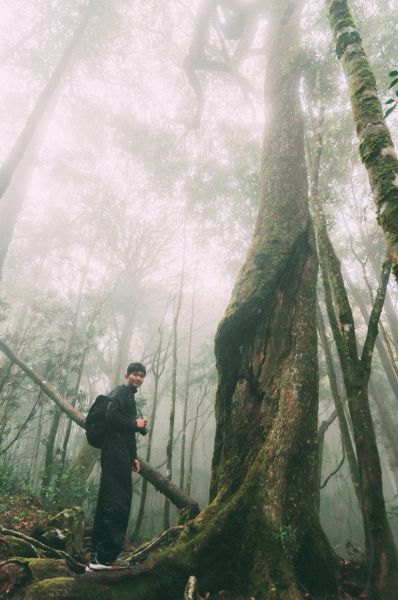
(375, 143)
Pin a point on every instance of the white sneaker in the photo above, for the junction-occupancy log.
(116, 565)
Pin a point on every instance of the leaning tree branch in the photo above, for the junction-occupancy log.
(22, 427)
(178, 497)
(373, 326)
(198, 59)
(324, 426)
(39, 547)
(44, 385)
(333, 473)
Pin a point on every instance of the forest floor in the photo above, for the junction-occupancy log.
(21, 512)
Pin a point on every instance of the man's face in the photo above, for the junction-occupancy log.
(135, 379)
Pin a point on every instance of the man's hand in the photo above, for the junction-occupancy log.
(136, 465)
(141, 423)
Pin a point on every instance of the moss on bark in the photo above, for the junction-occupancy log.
(376, 146)
(17, 547)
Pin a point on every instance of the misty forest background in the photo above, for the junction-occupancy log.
(125, 218)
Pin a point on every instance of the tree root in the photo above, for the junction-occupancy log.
(3, 540)
(46, 551)
(165, 539)
(191, 592)
(13, 574)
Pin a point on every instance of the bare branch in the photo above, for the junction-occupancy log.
(333, 473)
(373, 327)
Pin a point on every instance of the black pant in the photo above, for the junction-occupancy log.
(114, 501)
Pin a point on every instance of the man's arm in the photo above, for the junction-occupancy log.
(115, 417)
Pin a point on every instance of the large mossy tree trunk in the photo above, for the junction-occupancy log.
(261, 533)
(266, 349)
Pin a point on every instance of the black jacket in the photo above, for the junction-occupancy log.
(121, 416)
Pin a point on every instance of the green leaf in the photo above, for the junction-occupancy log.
(393, 83)
(389, 111)
(390, 101)
(393, 73)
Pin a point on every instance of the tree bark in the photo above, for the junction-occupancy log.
(380, 547)
(266, 406)
(321, 442)
(158, 367)
(186, 393)
(69, 426)
(169, 449)
(387, 423)
(124, 343)
(384, 359)
(49, 458)
(338, 403)
(375, 143)
(193, 440)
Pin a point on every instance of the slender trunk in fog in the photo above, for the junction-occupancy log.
(124, 343)
(18, 336)
(169, 449)
(321, 442)
(68, 357)
(192, 444)
(375, 143)
(314, 156)
(339, 407)
(387, 424)
(16, 435)
(5, 377)
(66, 365)
(34, 467)
(380, 548)
(384, 359)
(74, 401)
(49, 458)
(186, 394)
(9, 211)
(5, 417)
(388, 307)
(158, 367)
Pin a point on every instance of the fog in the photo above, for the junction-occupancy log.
(138, 191)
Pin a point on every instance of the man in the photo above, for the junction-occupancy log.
(118, 458)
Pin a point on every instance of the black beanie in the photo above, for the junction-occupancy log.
(136, 367)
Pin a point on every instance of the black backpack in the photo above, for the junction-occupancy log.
(95, 423)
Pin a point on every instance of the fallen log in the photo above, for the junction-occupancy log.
(44, 550)
(16, 573)
(178, 497)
